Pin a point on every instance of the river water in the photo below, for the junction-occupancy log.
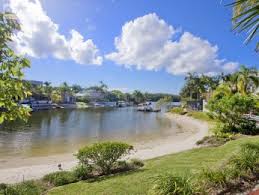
(65, 130)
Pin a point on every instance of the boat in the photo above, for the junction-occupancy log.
(147, 107)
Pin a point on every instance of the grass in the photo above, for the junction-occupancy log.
(141, 181)
(178, 110)
(195, 114)
(200, 116)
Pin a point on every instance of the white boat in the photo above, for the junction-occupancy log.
(147, 107)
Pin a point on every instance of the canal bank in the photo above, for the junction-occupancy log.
(188, 132)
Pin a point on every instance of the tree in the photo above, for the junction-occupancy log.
(244, 81)
(195, 85)
(245, 18)
(47, 89)
(138, 97)
(164, 100)
(103, 86)
(76, 88)
(128, 97)
(56, 96)
(12, 87)
(248, 80)
(119, 95)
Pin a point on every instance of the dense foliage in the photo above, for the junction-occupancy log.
(103, 156)
(196, 85)
(24, 188)
(12, 86)
(231, 99)
(82, 171)
(60, 178)
(230, 110)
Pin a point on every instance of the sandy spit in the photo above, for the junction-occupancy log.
(192, 130)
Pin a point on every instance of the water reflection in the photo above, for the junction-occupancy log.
(59, 131)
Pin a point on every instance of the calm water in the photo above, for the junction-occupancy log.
(65, 130)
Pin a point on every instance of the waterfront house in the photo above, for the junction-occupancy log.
(95, 94)
(68, 98)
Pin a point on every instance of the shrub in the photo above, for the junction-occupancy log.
(246, 160)
(169, 184)
(248, 127)
(230, 110)
(60, 178)
(210, 178)
(82, 172)
(136, 163)
(24, 188)
(247, 147)
(213, 140)
(121, 165)
(3, 186)
(103, 155)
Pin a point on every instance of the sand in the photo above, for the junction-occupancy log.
(190, 131)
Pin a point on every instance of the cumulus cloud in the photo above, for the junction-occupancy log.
(40, 36)
(147, 43)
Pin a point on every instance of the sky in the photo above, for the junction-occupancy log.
(127, 44)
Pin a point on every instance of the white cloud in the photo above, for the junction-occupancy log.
(146, 43)
(40, 36)
(83, 51)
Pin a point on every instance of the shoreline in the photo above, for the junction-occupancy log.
(192, 130)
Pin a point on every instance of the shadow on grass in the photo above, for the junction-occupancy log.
(104, 177)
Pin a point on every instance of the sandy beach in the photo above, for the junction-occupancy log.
(191, 130)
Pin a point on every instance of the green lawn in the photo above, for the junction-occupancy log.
(200, 116)
(139, 182)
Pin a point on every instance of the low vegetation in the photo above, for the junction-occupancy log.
(214, 140)
(190, 166)
(60, 178)
(170, 184)
(103, 156)
(24, 188)
(204, 116)
(178, 110)
(100, 159)
(233, 167)
(237, 174)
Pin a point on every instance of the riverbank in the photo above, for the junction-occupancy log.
(189, 132)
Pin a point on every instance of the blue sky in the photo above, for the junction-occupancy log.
(161, 41)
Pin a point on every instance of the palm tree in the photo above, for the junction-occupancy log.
(103, 86)
(138, 96)
(248, 80)
(231, 81)
(76, 88)
(64, 87)
(244, 81)
(245, 18)
(47, 89)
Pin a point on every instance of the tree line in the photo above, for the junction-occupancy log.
(54, 93)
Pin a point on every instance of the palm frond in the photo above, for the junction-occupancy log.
(246, 18)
